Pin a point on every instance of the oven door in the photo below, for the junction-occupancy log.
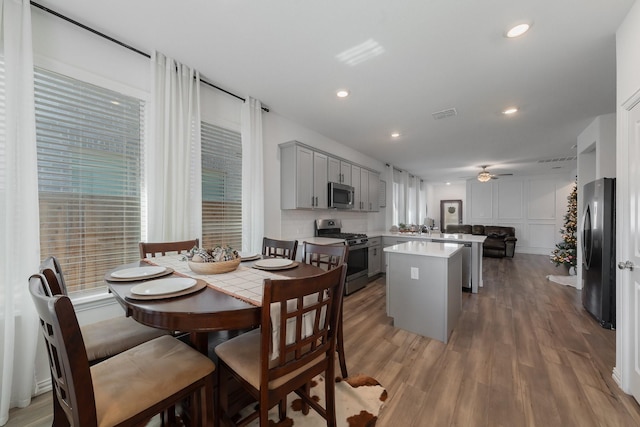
(357, 268)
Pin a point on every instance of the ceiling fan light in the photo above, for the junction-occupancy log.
(484, 176)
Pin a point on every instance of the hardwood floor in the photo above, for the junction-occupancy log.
(524, 353)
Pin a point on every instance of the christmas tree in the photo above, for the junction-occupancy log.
(565, 251)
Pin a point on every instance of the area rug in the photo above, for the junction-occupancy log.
(358, 403)
(564, 280)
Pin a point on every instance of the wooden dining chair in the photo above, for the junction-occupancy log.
(125, 390)
(105, 338)
(161, 248)
(279, 248)
(295, 343)
(329, 257)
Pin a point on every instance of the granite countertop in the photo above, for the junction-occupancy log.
(427, 248)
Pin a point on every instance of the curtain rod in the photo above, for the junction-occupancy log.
(118, 42)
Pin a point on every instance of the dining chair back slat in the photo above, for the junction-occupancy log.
(289, 362)
(151, 249)
(279, 248)
(104, 338)
(84, 395)
(329, 257)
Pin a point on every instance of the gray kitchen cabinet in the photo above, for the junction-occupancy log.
(374, 192)
(356, 172)
(303, 177)
(339, 171)
(306, 171)
(375, 256)
(364, 190)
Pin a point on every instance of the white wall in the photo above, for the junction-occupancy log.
(535, 206)
(441, 191)
(628, 86)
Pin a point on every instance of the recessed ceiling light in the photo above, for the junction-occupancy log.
(518, 30)
(509, 111)
(342, 93)
(395, 135)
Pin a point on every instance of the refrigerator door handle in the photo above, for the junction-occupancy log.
(628, 265)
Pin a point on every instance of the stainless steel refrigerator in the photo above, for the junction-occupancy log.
(599, 251)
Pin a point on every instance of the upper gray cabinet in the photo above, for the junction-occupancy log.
(303, 178)
(305, 173)
(339, 171)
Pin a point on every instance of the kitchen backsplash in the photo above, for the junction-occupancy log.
(300, 223)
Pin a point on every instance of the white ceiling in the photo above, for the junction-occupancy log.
(432, 55)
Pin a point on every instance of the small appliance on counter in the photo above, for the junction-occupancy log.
(358, 262)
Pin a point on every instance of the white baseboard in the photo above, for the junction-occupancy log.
(43, 386)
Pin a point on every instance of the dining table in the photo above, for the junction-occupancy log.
(213, 307)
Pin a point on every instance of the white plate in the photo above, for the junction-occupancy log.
(138, 272)
(163, 286)
(247, 256)
(273, 262)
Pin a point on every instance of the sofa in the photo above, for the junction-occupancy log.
(500, 241)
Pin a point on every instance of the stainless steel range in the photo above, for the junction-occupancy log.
(358, 261)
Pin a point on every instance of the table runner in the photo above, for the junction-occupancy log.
(244, 283)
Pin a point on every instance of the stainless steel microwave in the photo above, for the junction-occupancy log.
(340, 196)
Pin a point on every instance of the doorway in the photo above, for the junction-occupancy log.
(450, 213)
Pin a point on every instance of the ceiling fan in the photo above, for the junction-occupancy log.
(485, 175)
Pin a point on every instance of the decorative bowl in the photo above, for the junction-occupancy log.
(214, 267)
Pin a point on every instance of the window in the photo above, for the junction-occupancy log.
(90, 170)
(221, 187)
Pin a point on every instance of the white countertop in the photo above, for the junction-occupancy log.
(465, 238)
(426, 248)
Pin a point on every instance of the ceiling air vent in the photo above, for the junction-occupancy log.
(444, 114)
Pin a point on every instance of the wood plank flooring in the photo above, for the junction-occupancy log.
(524, 353)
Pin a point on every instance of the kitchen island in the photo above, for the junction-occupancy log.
(424, 287)
(472, 255)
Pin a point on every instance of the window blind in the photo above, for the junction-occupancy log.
(221, 187)
(90, 169)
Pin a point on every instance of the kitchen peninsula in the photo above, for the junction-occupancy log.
(424, 287)
(471, 257)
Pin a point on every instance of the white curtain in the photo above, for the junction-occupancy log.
(412, 200)
(422, 202)
(20, 247)
(252, 177)
(390, 215)
(401, 189)
(173, 153)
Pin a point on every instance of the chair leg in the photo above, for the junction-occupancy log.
(340, 348)
(221, 396)
(59, 417)
(282, 409)
(330, 403)
(207, 415)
